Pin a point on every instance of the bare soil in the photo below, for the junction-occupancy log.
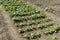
(7, 28)
(3, 31)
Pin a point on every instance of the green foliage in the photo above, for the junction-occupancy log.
(47, 19)
(38, 34)
(26, 36)
(21, 24)
(15, 19)
(18, 7)
(31, 22)
(34, 35)
(46, 24)
(28, 28)
(21, 31)
(18, 11)
(41, 25)
(52, 30)
(41, 15)
(49, 9)
(54, 38)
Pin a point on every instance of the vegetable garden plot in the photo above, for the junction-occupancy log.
(27, 19)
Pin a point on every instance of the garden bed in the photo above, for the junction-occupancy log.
(30, 22)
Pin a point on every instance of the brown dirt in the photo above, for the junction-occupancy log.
(2, 29)
(7, 30)
(45, 2)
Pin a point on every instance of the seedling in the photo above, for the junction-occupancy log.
(41, 26)
(21, 24)
(45, 25)
(33, 35)
(21, 31)
(30, 23)
(26, 36)
(48, 24)
(40, 15)
(49, 9)
(15, 19)
(47, 31)
(54, 38)
(28, 28)
(38, 34)
(52, 30)
(47, 19)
